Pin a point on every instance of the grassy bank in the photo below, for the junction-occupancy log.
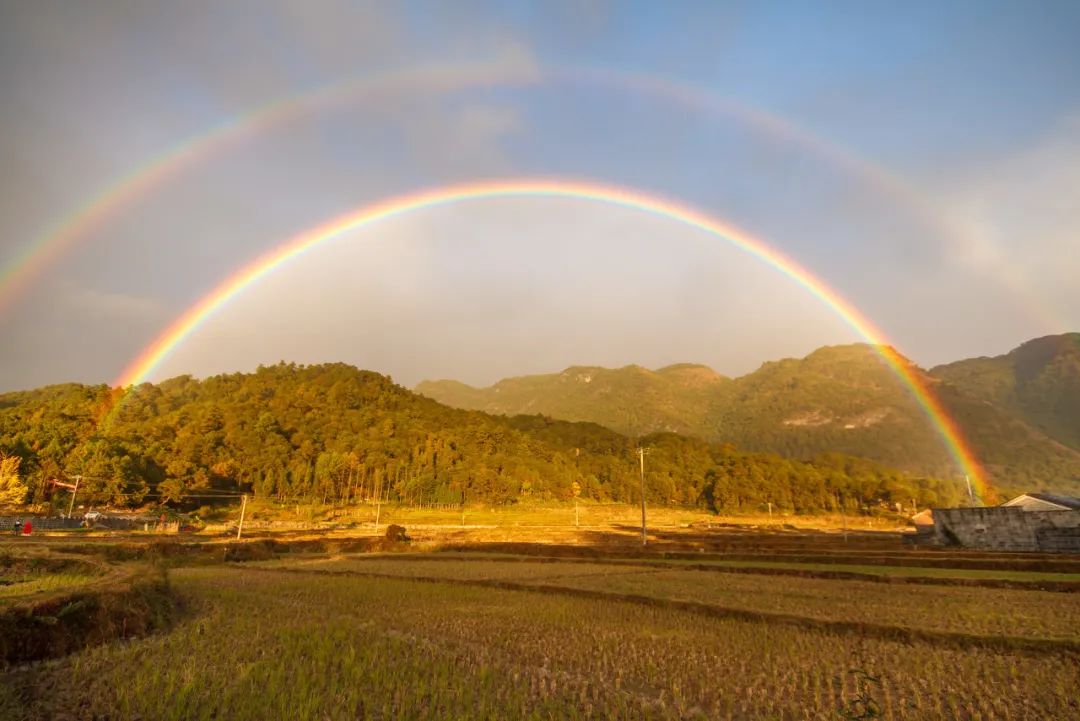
(58, 619)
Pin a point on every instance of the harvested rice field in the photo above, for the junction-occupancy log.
(497, 637)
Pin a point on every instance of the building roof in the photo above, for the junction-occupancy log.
(1066, 503)
(923, 518)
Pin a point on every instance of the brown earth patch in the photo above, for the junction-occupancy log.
(120, 606)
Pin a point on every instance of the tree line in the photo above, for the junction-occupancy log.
(334, 434)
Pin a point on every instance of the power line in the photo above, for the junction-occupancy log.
(169, 495)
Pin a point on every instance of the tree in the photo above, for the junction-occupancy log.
(12, 488)
(172, 490)
(335, 433)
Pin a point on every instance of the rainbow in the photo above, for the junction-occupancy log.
(28, 264)
(190, 321)
(18, 274)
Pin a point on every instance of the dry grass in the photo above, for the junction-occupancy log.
(287, 638)
(26, 574)
(43, 583)
(260, 644)
(981, 611)
(952, 609)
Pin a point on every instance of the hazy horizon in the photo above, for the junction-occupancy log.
(412, 383)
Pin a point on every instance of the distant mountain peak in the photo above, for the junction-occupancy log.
(1038, 381)
(842, 398)
(689, 369)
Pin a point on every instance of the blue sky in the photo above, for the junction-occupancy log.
(927, 166)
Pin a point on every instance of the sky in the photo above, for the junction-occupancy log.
(920, 159)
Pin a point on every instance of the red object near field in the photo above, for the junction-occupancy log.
(27, 528)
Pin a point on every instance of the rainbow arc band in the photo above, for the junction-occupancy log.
(18, 274)
(190, 321)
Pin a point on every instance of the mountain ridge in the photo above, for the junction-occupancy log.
(841, 398)
(1039, 381)
(672, 390)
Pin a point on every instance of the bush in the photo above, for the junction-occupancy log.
(396, 534)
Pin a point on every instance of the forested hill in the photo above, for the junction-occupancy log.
(631, 400)
(1039, 381)
(837, 399)
(337, 434)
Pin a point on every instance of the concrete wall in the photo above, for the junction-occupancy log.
(1008, 529)
(7, 523)
(42, 523)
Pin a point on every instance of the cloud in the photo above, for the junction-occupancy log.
(75, 333)
(485, 289)
(456, 91)
(109, 307)
(1021, 216)
(466, 139)
(459, 129)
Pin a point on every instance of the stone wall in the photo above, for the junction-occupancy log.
(1008, 529)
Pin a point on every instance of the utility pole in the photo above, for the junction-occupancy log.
(74, 490)
(971, 495)
(243, 509)
(843, 516)
(378, 509)
(576, 489)
(644, 536)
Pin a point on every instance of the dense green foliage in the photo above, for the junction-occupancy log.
(332, 433)
(12, 487)
(838, 399)
(631, 400)
(1039, 381)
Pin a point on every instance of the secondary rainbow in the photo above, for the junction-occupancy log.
(20, 272)
(153, 355)
(29, 264)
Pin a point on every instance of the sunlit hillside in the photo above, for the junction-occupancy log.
(1039, 382)
(841, 398)
(332, 433)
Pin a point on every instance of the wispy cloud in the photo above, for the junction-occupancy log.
(1022, 216)
(109, 307)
